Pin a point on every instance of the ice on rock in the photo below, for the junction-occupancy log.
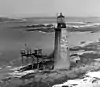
(91, 79)
(94, 74)
(20, 74)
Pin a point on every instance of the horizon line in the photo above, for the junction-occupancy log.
(51, 17)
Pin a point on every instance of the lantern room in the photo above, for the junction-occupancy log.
(61, 21)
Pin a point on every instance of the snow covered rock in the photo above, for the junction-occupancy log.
(94, 74)
(20, 74)
(91, 79)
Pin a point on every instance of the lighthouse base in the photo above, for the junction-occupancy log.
(60, 66)
(62, 62)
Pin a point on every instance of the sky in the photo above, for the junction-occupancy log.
(25, 8)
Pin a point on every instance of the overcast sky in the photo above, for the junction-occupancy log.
(23, 8)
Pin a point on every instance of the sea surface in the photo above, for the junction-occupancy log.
(13, 39)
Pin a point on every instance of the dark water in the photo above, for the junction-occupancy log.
(12, 40)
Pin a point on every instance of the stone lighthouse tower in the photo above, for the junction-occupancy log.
(61, 45)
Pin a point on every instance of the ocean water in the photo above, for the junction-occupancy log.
(13, 39)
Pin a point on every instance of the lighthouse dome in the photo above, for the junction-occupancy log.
(60, 18)
(61, 21)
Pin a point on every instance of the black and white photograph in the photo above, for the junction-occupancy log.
(49, 43)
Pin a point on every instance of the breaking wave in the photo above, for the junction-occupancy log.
(71, 26)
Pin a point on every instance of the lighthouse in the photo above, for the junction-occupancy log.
(61, 58)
